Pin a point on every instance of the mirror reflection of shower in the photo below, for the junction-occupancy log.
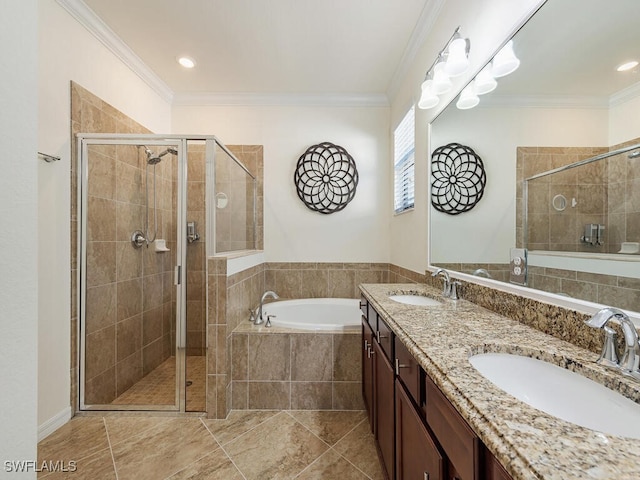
(139, 238)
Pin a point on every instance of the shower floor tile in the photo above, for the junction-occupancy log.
(159, 386)
(302, 445)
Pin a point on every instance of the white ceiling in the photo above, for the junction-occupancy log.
(283, 47)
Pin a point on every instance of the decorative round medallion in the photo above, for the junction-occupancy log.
(458, 178)
(326, 178)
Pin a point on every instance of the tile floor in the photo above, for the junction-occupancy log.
(158, 387)
(249, 444)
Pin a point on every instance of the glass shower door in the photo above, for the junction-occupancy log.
(130, 262)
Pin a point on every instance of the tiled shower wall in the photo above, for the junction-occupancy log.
(549, 229)
(234, 228)
(196, 251)
(605, 192)
(129, 291)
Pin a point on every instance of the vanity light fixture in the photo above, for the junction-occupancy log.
(428, 99)
(186, 62)
(505, 61)
(627, 66)
(453, 60)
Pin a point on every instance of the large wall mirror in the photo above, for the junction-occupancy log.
(536, 133)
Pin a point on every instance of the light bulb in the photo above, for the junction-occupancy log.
(457, 61)
(505, 61)
(187, 62)
(468, 98)
(484, 81)
(428, 99)
(441, 83)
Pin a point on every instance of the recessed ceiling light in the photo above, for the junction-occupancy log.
(627, 66)
(187, 62)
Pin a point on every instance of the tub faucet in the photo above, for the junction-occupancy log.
(630, 362)
(265, 295)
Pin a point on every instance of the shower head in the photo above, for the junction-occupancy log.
(153, 159)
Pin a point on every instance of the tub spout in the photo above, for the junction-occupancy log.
(265, 295)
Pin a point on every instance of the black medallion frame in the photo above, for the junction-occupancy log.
(458, 178)
(326, 178)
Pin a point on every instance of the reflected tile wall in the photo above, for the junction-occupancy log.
(605, 192)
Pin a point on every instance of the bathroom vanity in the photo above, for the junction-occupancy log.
(434, 416)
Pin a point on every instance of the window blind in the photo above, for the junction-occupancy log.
(404, 160)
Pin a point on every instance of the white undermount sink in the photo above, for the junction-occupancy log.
(562, 393)
(415, 300)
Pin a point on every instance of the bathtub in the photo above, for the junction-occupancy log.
(315, 313)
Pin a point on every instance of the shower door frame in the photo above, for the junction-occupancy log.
(83, 142)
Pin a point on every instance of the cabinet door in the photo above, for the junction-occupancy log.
(493, 469)
(457, 439)
(384, 409)
(417, 457)
(367, 371)
(410, 373)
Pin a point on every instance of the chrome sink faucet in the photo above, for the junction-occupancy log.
(630, 362)
(449, 289)
(265, 295)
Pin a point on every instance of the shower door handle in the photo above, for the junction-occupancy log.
(177, 275)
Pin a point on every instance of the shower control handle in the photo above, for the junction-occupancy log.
(138, 239)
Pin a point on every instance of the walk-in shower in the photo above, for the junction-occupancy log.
(148, 221)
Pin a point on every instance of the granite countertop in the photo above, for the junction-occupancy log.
(529, 443)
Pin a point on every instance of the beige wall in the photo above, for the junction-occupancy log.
(19, 236)
(66, 52)
(292, 232)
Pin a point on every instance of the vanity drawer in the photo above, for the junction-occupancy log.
(409, 372)
(385, 339)
(459, 442)
(372, 316)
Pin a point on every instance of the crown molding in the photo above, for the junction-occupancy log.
(88, 19)
(545, 101)
(625, 95)
(271, 99)
(425, 23)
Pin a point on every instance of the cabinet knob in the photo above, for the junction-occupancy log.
(370, 353)
(426, 476)
(366, 345)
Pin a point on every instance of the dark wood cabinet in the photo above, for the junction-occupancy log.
(417, 455)
(420, 435)
(459, 442)
(384, 409)
(367, 371)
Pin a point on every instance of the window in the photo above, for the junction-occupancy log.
(403, 163)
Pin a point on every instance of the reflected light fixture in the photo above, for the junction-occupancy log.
(505, 61)
(468, 98)
(627, 66)
(187, 62)
(452, 61)
(484, 81)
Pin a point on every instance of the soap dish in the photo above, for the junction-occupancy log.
(630, 248)
(161, 245)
